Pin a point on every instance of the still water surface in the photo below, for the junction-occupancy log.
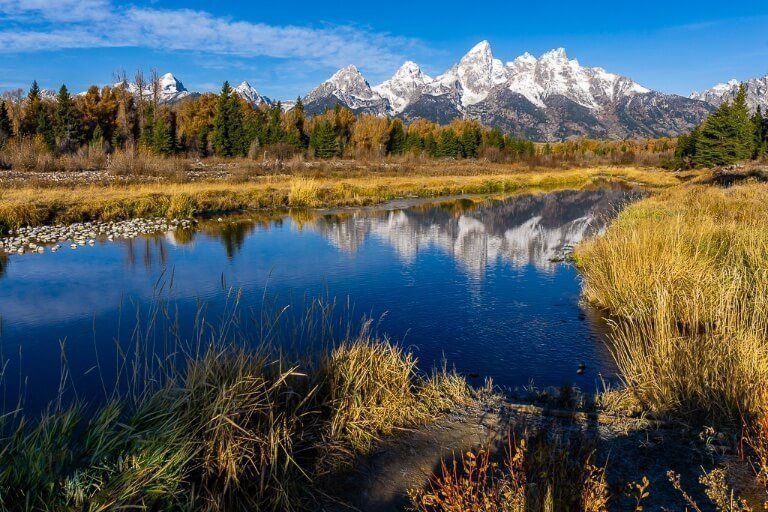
(474, 280)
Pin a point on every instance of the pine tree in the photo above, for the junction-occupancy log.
(397, 138)
(760, 125)
(470, 140)
(299, 120)
(6, 128)
(68, 131)
(714, 144)
(32, 111)
(324, 140)
(163, 134)
(449, 145)
(222, 140)
(742, 127)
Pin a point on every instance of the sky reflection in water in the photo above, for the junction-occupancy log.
(472, 280)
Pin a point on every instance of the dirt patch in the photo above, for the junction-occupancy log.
(631, 450)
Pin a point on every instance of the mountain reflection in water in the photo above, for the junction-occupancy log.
(476, 280)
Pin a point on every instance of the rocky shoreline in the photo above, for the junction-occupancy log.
(38, 239)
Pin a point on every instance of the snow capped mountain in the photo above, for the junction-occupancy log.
(169, 89)
(554, 74)
(756, 89)
(251, 95)
(473, 77)
(406, 85)
(349, 88)
(547, 98)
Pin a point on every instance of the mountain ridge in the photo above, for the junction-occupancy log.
(547, 98)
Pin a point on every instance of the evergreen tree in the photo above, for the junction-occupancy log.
(397, 138)
(449, 145)
(164, 133)
(31, 111)
(413, 143)
(68, 130)
(6, 128)
(229, 136)
(742, 128)
(275, 132)
(714, 144)
(324, 141)
(760, 125)
(299, 121)
(470, 140)
(430, 145)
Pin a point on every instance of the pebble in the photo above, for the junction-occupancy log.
(35, 239)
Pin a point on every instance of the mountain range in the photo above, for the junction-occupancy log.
(549, 98)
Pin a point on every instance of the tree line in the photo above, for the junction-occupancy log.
(728, 135)
(124, 117)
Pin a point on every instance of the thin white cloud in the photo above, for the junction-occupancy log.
(64, 11)
(40, 26)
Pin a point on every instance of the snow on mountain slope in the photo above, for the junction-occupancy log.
(477, 73)
(169, 89)
(472, 77)
(347, 87)
(251, 95)
(406, 85)
(756, 89)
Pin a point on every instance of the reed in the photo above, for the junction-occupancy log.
(685, 275)
(220, 424)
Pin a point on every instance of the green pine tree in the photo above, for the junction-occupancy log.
(397, 138)
(31, 110)
(222, 123)
(324, 141)
(470, 141)
(760, 124)
(714, 144)
(68, 128)
(449, 145)
(742, 127)
(163, 134)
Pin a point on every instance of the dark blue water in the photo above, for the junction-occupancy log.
(474, 281)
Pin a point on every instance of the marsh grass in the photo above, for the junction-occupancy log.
(685, 275)
(214, 422)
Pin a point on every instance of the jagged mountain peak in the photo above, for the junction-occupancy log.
(755, 88)
(249, 93)
(558, 55)
(404, 86)
(347, 73)
(347, 87)
(169, 84)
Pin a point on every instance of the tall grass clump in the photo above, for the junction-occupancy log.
(685, 275)
(219, 423)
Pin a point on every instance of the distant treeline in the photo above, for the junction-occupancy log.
(730, 134)
(116, 118)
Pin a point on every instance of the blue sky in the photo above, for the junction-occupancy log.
(285, 48)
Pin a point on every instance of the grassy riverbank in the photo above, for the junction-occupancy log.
(34, 205)
(235, 429)
(685, 274)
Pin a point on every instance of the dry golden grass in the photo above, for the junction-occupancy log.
(33, 205)
(228, 429)
(685, 274)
